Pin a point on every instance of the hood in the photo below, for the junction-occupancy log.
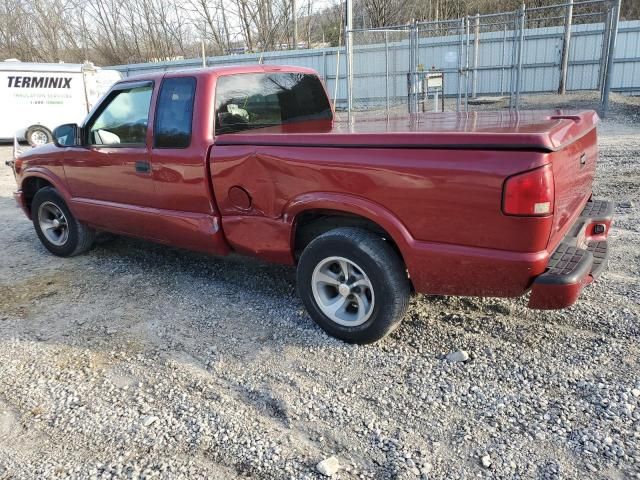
(35, 152)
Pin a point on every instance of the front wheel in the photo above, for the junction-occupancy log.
(353, 284)
(56, 226)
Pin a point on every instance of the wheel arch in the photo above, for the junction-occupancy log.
(35, 180)
(312, 215)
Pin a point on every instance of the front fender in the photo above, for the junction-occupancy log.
(56, 181)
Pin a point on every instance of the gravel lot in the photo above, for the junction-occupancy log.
(141, 361)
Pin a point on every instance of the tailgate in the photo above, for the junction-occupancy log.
(573, 171)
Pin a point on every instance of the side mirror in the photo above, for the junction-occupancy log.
(67, 135)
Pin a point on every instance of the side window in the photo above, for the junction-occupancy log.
(124, 120)
(258, 100)
(174, 113)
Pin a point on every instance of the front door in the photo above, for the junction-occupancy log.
(110, 176)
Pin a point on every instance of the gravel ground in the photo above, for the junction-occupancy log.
(141, 361)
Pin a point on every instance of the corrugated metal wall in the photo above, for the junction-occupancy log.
(541, 62)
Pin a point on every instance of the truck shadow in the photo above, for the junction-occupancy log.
(146, 296)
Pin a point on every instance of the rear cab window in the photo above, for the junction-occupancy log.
(255, 100)
(174, 113)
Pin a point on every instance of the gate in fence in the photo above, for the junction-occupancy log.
(502, 53)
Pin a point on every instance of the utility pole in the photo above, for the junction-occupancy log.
(309, 10)
(227, 49)
(294, 13)
(204, 34)
(566, 42)
(349, 45)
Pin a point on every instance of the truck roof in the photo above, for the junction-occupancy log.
(221, 70)
(16, 66)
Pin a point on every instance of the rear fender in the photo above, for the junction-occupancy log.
(349, 204)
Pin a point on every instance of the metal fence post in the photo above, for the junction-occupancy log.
(409, 76)
(412, 75)
(504, 51)
(466, 67)
(566, 43)
(615, 16)
(336, 83)
(414, 69)
(512, 79)
(349, 45)
(606, 35)
(324, 66)
(386, 69)
(416, 46)
(520, 55)
(476, 54)
(394, 68)
(460, 51)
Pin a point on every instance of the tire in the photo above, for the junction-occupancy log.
(38, 135)
(375, 296)
(48, 207)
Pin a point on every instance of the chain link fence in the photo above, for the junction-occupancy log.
(473, 62)
(443, 65)
(380, 88)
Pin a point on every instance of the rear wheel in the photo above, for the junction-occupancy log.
(56, 226)
(353, 284)
(38, 135)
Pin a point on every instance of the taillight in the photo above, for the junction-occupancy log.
(529, 193)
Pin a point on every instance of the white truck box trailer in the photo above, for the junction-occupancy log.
(37, 97)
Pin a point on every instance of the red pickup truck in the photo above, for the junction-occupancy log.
(249, 159)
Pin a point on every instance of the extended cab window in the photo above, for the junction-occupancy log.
(174, 113)
(123, 121)
(254, 100)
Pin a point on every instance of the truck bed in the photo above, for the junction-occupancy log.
(536, 130)
(440, 178)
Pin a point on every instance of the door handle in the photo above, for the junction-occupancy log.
(142, 166)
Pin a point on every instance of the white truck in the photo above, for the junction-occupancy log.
(37, 97)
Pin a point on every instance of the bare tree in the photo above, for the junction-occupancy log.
(211, 23)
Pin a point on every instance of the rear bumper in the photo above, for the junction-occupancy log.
(579, 258)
